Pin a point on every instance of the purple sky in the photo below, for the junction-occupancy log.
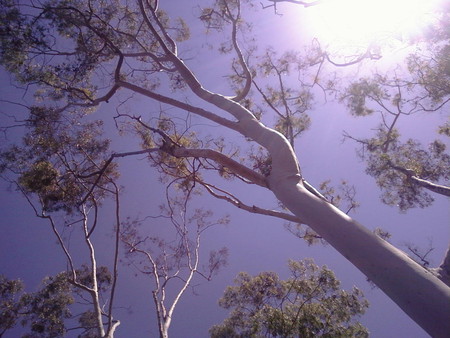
(256, 243)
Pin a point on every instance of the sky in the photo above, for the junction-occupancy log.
(28, 249)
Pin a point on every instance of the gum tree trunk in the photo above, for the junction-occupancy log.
(420, 294)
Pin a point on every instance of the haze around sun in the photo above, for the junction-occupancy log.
(351, 22)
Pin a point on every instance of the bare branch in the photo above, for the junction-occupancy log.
(228, 197)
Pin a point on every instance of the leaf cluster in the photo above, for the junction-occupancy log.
(58, 159)
(393, 167)
(46, 312)
(308, 304)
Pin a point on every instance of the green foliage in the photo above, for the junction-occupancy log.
(58, 159)
(46, 312)
(222, 13)
(88, 321)
(392, 169)
(261, 161)
(43, 312)
(103, 277)
(445, 129)
(290, 104)
(48, 308)
(357, 95)
(308, 304)
(424, 86)
(431, 71)
(10, 305)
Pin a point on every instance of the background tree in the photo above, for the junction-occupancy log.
(52, 169)
(172, 259)
(76, 55)
(9, 291)
(47, 312)
(308, 304)
(403, 169)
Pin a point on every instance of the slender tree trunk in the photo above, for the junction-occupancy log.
(164, 332)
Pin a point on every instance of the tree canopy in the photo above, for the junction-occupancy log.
(82, 67)
(308, 304)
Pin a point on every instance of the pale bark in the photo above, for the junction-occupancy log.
(436, 188)
(443, 270)
(416, 291)
(94, 292)
(161, 278)
(420, 294)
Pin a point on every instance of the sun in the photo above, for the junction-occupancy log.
(348, 22)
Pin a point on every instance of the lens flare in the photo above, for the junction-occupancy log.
(365, 21)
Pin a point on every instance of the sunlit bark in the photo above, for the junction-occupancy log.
(421, 295)
(417, 291)
(436, 188)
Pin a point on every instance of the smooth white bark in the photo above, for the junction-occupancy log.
(421, 295)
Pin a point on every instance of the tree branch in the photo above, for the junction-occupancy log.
(437, 188)
(223, 160)
(228, 197)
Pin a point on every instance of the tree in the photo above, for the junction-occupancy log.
(403, 170)
(52, 169)
(173, 260)
(45, 313)
(77, 55)
(9, 290)
(308, 304)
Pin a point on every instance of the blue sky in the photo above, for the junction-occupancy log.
(256, 243)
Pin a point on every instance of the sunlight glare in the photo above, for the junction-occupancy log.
(364, 21)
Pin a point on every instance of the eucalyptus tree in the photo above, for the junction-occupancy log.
(171, 262)
(405, 170)
(309, 303)
(9, 307)
(47, 311)
(78, 55)
(54, 169)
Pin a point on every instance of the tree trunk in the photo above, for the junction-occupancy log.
(421, 295)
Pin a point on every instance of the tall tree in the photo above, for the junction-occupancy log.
(53, 170)
(173, 259)
(78, 54)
